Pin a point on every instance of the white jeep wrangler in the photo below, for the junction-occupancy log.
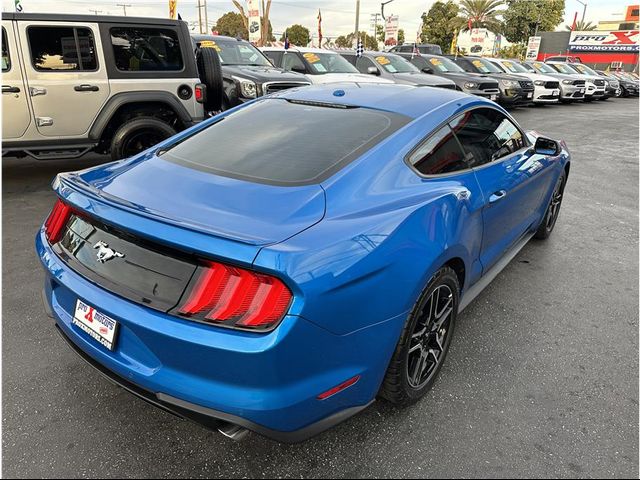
(73, 84)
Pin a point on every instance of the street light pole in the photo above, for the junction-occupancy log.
(584, 10)
(382, 8)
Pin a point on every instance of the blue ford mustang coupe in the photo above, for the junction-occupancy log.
(279, 266)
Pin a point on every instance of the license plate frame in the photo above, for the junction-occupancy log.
(100, 327)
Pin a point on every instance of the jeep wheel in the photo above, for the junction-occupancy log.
(210, 72)
(138, 134)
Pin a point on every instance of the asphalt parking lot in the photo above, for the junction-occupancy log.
(541, 379)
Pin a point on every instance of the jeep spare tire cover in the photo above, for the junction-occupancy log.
(210, 72)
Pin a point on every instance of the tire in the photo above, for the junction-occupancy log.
(137, 134)
(618, 93)
(400, 386)
(553, 210)
(210, 72)
(624, 92)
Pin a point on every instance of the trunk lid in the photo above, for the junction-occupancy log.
(250, 213)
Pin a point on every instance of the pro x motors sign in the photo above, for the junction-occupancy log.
(621, 41)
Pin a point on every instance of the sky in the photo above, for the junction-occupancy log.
(338, 17)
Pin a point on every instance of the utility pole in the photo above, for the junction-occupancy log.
(374, 21)
(357, 22)
(95, 11)
(203, 4)
(124, 7)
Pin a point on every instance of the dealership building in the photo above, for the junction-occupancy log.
(614, 44)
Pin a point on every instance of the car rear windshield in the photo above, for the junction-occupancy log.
(285, 142)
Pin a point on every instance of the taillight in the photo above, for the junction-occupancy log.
(201, 92)
(56, 221)
(234, 297)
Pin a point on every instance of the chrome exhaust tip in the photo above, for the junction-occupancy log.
(232, 431)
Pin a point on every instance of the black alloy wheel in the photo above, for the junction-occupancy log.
(553, 210)
(424, 342)
(430, 337)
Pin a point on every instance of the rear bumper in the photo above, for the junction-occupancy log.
(208, 417)
(267, 383)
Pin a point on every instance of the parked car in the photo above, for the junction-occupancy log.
(599, 86)
(572, 86)
(320, 66)
(246, 72)
(546, 88)
(78, 83)
(515, 90)
(395, 68)
(612, 86)
(290, 280)
(628, 84)
(471, 83)
(423, 48)
(563, 59)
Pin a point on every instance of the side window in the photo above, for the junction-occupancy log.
(6, 60)
(363, 63)
(440, 153)
(146, 49)
(406, 48)
(275, 57)
(486, 135)
(62, 48)
(292, 61)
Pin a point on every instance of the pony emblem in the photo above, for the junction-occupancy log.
(105, 253)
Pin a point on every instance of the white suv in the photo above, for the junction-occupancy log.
(546, 88)
(76, 83)
(320, 66)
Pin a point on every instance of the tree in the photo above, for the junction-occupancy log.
(517, 50)
(298, 35)
(232, 25)
(582, 26)
(400, 36)
(522, 16)
(380, 33)
(368, 41)
(481, 14)
(440, 23)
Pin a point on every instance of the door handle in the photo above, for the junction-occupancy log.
(35, 91)
(499, 195)
(86, 88)
(10, 89)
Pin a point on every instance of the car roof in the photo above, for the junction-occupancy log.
(204, 36)
(411, 101)
(66, 17)
(299, 49)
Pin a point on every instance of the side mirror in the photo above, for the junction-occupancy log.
(298, 69)
(427, 70)
(373, 71)
(546, 146)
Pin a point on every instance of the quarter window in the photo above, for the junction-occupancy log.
(293, 61)
(146, 49)
(440, 154)
(6, 60)
(62, 49)
(486, 135)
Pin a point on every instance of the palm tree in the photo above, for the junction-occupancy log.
(582, 26)
(480, 14)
